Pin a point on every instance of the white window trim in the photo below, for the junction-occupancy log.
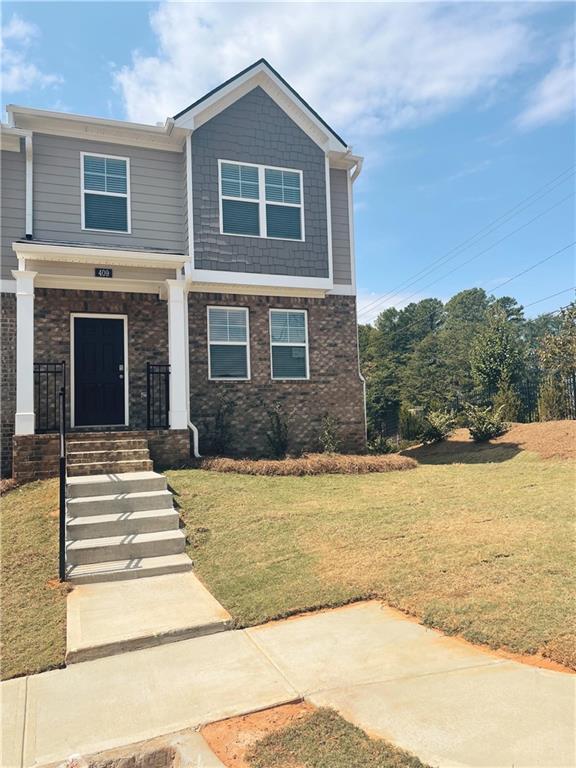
(101, 316)
(261, 201)
(229, 343)
(106, 194)
(290, 344)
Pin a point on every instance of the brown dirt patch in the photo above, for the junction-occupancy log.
(548, 439)
(312, 464)
(231, 739)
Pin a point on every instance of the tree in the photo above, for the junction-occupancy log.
(557, 351)
(495, 355)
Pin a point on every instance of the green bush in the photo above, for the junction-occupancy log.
(412, 424)
(508, 401)
(328, 437)
(485, 423)
(437, 427)
(552, 400)
(380, 444)
(278, 435)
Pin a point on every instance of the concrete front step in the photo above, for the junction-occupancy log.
(126, 547)
(109, 467)
(119, 570)
(127, 444)
(107, 455)
(115, 483)
(122, 523)
(83, 506)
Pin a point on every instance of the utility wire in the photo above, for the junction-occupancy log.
(552, 295)
(486, 230)
(537, 264)
(481, 253)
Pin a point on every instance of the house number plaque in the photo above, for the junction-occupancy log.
(103, 272)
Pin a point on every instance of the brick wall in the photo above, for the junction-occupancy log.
(334, 386)
(147, 333)
(7, 379)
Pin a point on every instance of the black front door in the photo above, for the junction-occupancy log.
(98, 371)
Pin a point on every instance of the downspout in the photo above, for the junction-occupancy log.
(353, 178)
(29, 188)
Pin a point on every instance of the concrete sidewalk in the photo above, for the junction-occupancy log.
(450, 704)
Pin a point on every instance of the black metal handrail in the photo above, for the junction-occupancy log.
(49, 379)
(157, 395)
(62, 468)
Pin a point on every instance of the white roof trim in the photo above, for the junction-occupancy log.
(261, 76)
(107, 256)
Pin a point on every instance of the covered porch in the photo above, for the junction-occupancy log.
(110, 329)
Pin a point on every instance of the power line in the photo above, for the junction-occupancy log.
(491, 226)
(552, 295)
(537, 264)
(481, 253)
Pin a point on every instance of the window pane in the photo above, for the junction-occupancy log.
(279, 326)
(116, 167)
(116, 184)
(95, 181)
(296, 327)
(240, 218)
(239, 180)
(227, 324)
(282, 186)
(284, 222)
(94, 164)
(289, 363)
(228, 362)
(103, 212)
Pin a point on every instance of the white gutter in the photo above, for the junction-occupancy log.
(357, 169)
(192, 427)
(29, 187)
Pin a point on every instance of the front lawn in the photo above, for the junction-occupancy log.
(33, 629)
(484, 549)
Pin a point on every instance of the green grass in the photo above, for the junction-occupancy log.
(484, 549)
(325, 740)
(33, 629)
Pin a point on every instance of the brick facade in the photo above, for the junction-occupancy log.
(334, 386)
(147, 333)
(7, 378)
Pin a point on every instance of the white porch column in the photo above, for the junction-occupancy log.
(24, 424)
(177, 338)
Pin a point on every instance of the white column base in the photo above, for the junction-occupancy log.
(24, 424)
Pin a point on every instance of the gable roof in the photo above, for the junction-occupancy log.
(262, 66)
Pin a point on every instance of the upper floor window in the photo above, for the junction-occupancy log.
(105, 193)
(228, 345)
(260, 201)
(289, 343)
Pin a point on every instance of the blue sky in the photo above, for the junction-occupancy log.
(461, 110)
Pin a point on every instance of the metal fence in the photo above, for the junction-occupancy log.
(49, 379)
(158, 395)
(548, 396)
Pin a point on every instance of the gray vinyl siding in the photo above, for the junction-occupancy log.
(156, 183)
(256, 130)
(13, 212)
(340, 226)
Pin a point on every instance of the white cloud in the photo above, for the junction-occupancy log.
(18, 72)
(553, 98)
(368, 68)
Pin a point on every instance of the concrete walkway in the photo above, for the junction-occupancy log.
(119, 616)
(450, 704)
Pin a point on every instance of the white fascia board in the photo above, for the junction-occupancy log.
(10, 137)
(343, 290)
(108, 256)
(275, 88)
(74, 283)
(98, 129)
(255, 279)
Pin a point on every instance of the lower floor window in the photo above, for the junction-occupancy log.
(228, 351)
(289, 343)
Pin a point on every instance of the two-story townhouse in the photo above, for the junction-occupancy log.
(178, 275)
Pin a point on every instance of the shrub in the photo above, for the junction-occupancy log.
(508, 400)
(222, 430)
(552, 400)
(411, 424)
(328, 438)
(485, 423)
(311, 464)
(380, 444)
(278, 435)
(437, 427)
